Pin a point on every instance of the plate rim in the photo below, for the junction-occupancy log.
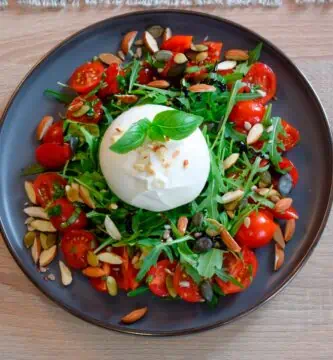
(302, 260)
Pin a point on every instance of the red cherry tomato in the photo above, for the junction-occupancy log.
(86, 77)
(145, 75)
(69, 216)
(291, 168)
(53, 156)
(289, 214)
(47, 186)
(214, 51)
(75, 245)
(291, 138)
(261, 74)
(247, 111)
(55, 134)
(157, 277)
(190, 292)
(92, 116)
(259, 233)
(242, 270)
(112, 87)
(177, 43)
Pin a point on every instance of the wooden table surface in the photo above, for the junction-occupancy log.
(297, 324)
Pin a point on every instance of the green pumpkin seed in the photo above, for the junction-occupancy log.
(201, 56)
(266, 177)
(29, 239)
(82, 111)
(156, 31)
(199, 47)
(111, 284)
(180, 58)
(169, 285)
(163, 55)
(92, 259)
(47, 240)
(176, 70)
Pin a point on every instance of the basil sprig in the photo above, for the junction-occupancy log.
(172, 124)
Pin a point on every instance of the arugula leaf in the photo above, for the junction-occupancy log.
(169, 93)
(134, 74)
(187, 255)
(210, 262)
(140, 290)
(235, 135)
(133, 137)
(229, 78)
(149, 261)
(193, 272)
(254, 55)
(226, 278)
(107, 114)
(273, 143)
(61, 97)
(33, 170)
(217, 290)
(242, 68)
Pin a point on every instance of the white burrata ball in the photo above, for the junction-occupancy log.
(157, 176)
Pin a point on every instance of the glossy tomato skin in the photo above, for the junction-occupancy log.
(243, 271)
(67, 209)
(190, 293)
(53, 156)
(247, 111)
(177, 43)
(291, 169)
(97, 111)
(291, 138)
(55, 134)
(46, 186)
(157, 277)
(86, 77)
(214, 51)
(111, 80)
(261, 74)
(259, 233)
(146, 75)
(289, 214)
(75, 245)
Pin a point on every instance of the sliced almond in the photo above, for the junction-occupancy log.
(29, 220)
(150, 42)
(47, 256)
(228, 240)
(30, 191)
(254, 134)
(180, 58)
(231, 196)
(199, 88)
(73, 192)
(36, 250)
(127, 99)
(43, 126)
(289, 230)
(279, 257)
(283, 205)
(230, 161)
(36, 212)
(128, 41)
(267, 192)
(111, 285)
(202, 56)
(167, 34)
(278, 237)
(111, 228)
(108, 59)
(110, 258)
(226, 65)
(66, 274)
(138, 53)
(182, 224)
(93, 272)
(236, 54)
(43, 226)
(134, 315)
(85, 195)
(159, 84)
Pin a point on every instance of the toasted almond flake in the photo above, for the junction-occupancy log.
(247, 126)
(138, 53)
(254, 134)
(167, 34)
(111, 228)
(85, 195)
(150, 170)
(182, 224)
(127, 41)
(43, 226)
(186, 163)
(278, 237)
(73, 192)
(289, 229)
(29, 190)
(267, 192)
(283, 205)
(247, 222)
(134, 316)
(230, 161)
(51, 277)
(200, 88)
(110, 258)
(36, 212)
(140, 167)
(236, 54)
(43, 269)
(36, 249)
(184, 284)
(279, 257)
(30, 228)
(43, 126)
(228, 240)
(231, 196)
(127, 99)
(113, 206)
(29, 220)
(226, 65)
(150, 42)
(66, 274)
(159, 84)
(108, 58)
(47, 256)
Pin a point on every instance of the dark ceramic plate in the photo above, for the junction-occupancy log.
(297, 102)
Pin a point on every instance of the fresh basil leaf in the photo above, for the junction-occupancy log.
(134, 74)
(254, 55)
(33, 170)
(177, 125)
(133, 137)
(209, 262)
(155, 133)
(61, 97)
(140, 290)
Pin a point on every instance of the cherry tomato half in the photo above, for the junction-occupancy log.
(177, 43)
(157, 277)
(259, 233)
(214, 51)
(243, 271)
(247, 111)
(291, 138)
(145, 75)
(75, 245)
(55, 134)
(190, 292)
(67, 217)
(47, 186)
(53, 156)
(93, 115)
(86, 77)
(291, 168)
(112, 85)
(100, 283)
(261, 74)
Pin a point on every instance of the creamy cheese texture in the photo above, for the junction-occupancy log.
(156, 176)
